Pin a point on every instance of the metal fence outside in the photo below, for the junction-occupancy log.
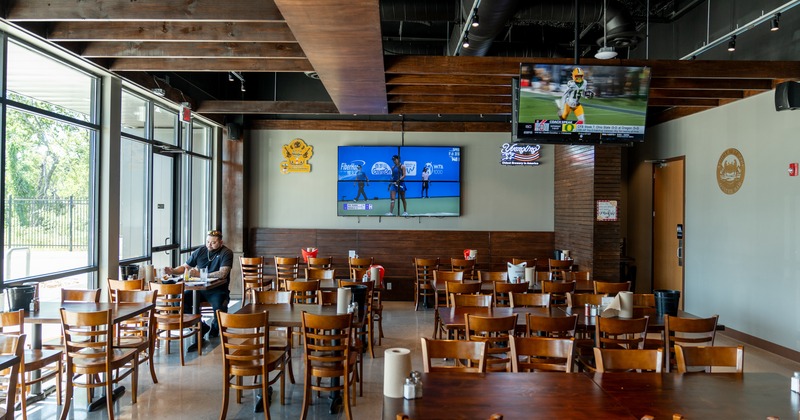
(61, 223)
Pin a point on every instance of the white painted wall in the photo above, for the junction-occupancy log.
(494, 197)
(742, 250)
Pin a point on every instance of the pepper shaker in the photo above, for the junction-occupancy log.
(417, 378)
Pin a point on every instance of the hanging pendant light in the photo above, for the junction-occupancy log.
(605, 52)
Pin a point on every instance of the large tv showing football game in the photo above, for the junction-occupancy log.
(575, 104)
(406, 181)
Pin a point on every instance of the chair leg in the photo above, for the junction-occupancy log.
(135, 379)
(416, 297)
(109, 394)
(346, 397)
(23, 391)
(68, 397)
(265, 393)
(150, 362)
(225, 395)
(180, 346)
(306, 393)
(60, 367)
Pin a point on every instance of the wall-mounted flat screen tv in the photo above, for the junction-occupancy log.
(432, 184)
(569, 104)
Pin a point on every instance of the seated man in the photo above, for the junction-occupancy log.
(218, 259)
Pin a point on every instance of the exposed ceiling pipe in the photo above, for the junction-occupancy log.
(494, 16)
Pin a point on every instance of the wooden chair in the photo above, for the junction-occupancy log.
(558, 291)
(81, 295)
(252, 276)
(46, 362)
(578, 300)
(363, 324)
(470, 301)
(303, 291)
(327, 355)
(423, 286)
(502, 292)
(325, 263)
(613, 333)
(529, 300)
(611, 288)
(172, 324)
(440, 280)
(688, 332)
(327, 297)
(359, 266)
(531, 263)
(286, 268)
(497, 333)
(11, 345)
(545, 275)
(466, 266)
(455, 350)
(577, 275)
(541, 354)
(246, 353)
(618, 360)
(554, 327)
(280, 338)
(492, 276)
(558, 267)
(456, 288)
(140, 332)
(647, 300)
(88, 338)
(135, 284)
(320, 274)
(708, 357)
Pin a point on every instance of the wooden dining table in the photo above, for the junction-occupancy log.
(602, 395)
(487, 287)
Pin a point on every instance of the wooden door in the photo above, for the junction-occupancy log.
(668, 211)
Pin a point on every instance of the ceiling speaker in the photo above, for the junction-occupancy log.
(234, 131)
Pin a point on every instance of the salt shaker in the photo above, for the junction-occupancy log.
(409, 392)
(417, 379)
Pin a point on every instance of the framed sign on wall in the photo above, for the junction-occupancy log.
(607, 211)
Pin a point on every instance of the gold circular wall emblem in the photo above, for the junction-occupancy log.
(730, 171)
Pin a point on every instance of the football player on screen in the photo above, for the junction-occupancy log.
(570, 101)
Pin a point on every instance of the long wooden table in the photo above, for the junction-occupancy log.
(605, 396)
(286, 315)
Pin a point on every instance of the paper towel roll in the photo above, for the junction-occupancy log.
(396, 368)
(148, 273)
(625, 304)
(343, 298)
(375, 274)
(530, 275)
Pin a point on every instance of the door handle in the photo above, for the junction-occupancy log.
(680, 252)
(166, 241)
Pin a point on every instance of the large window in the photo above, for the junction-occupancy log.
(49, 168)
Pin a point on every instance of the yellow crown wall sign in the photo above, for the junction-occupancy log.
(296, 155)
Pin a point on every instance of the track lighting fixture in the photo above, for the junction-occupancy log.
(465, 44)
(243, 89)
(475, 21)
(230, 76)
(732, 44)
(775, 23)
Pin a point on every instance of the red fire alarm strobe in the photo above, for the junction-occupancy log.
(793, 169)
(186, 114)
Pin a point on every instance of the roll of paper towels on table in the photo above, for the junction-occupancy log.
(343, 298)
(396, 368)
(625, 304)
(530, 274)
(375, 274)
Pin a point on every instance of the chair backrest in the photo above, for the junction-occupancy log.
(644, 300)
(611, 360)
(252, 274)
(467, 266)
(558, 267)
(622, 333)
(327, 297)
(327, 340)
(531, 354)
(457, 288)
(688, 332)
(543, 276)
(359, 266)
(320, 273)
(496, 332)
(245, 339)
(144, 325)
(577, 275)
(425, 267)
(529, 300)
(135, 284)
(492, 276)
(551, 326)
(611, 288)
(470, 352)
(286, 268)
(470, 301)
(529, 262)
(169, 301)
(80, 295)
(444, 275)
(12, 322)
(303, 291)
(708, 357)
(578, 300)
(558, 291)
(272, 296)
(87, 336)
(502, 292)
(13, 345)
(325, 263)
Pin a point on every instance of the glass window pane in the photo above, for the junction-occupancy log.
(163, 187)
(201, 202)
(133, 203)
(134, 115)
(200, 139)
(41, 81)
(48, 185)
(165, 125)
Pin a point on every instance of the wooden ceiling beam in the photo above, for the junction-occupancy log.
(449, 99)
(673, 113)
(171, 31)
(696, 93)
(260, 50)
(106, 10)
(210, 64)
(443, 80)
(395, 126)
(448, 90)
(459, 109)
(683, 102)
(706, 84)
(266, 107)
(342, 39)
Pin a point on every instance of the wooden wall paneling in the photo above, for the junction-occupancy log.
(608, 237)
(508, 245)
(574, 202)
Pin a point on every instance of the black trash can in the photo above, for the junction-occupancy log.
(359, 294)
(20, 297)
(667, 302)
(126, 271)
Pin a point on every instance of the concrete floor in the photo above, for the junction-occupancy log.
(194, 391)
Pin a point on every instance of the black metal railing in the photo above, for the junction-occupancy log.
(47, 223)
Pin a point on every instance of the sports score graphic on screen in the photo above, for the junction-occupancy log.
(582, 103)
(399, 181)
